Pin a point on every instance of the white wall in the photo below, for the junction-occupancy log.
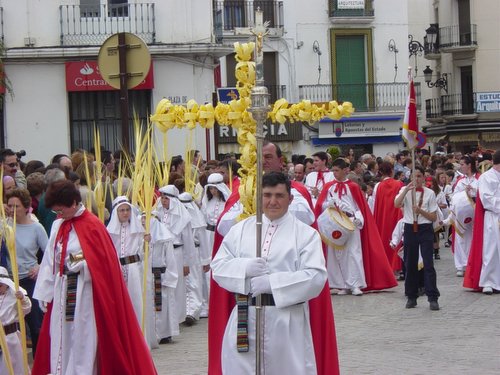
(37, 116)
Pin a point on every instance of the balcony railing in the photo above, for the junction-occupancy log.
(92, 25)
(369, 97)
(458, 36)
(337, 10)
(229, 15)
(276, 92)
(1, 22)
(450, 105)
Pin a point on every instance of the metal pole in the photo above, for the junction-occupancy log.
(122, 55)
(259, 110)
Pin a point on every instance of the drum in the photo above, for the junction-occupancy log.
(463, 212)
(335, 228)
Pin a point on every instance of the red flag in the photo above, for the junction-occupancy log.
(410, 122)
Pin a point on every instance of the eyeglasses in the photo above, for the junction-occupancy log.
(12, 165)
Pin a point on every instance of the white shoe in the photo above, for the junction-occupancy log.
(342, 292)
(487, 290)
(460, 273)
(357, 292)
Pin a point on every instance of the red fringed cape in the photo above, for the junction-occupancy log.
(121, 347)
(475, 261)
(320, 312)
(378, 271)
(386, 217)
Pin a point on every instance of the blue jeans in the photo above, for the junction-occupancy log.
(35, 317)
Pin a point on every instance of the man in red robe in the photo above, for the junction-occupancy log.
(386, 215)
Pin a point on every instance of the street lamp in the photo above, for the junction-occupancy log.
(415, 48)
(431, 38)
(441, 82)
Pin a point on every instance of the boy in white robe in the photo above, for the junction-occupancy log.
(290, 272)
(10, 321)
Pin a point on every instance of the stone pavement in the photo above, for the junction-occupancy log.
(377, 335)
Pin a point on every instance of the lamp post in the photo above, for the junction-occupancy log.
(441, 82)
(414, 48)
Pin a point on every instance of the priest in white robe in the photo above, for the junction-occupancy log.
(290, 272)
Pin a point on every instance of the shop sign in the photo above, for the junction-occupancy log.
(85, 76)
(488, 102)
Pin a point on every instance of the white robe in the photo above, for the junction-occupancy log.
(345, 267)
(489, 191)
(297, 274)
(8, 315)
(73, 345)
(312, 181)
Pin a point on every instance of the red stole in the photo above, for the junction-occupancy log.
(378, 271)
(475, 261)
(387, 216)
(320, 312)
(121, 347)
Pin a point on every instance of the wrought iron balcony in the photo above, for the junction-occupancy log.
(229, 15)
(365, 97)
(337, 10)
(458, 36)
(451, 105)
(92, 25)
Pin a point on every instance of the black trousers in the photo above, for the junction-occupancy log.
(423, 239)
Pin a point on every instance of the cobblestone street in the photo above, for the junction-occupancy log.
(377, 335)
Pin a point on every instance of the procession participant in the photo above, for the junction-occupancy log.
(467, 182)
(316, 180)
(90, 325)
(290, 273)
(9, 318)
(127, 234)
(162, 279)
(425, 208)
(30, 239)
(177, 219)
(385, 214)
(299, 173)
(483, 267)
(201, 262)
(222, 302)
(216, 194)
(362, 264)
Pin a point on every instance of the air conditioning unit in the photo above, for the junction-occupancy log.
(29, 41)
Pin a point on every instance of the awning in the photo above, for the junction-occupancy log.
(470, 137)
(490, 137)
(355, 140)
(436, 139)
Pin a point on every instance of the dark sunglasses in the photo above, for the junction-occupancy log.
(12, 165)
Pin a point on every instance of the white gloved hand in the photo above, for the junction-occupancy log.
(345, 207)
(358, 223)
(43, 306)
(260, 285)
(256, 267)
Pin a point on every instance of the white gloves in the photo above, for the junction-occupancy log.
(260, 285)
(43, 306)
(256, 267)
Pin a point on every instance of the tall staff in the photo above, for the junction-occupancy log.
(259, 110)
(410, 136)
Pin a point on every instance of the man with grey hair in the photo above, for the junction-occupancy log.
(45, 215)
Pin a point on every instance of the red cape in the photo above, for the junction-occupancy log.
(121, 347)
(320, 312)
(378, 271)
(386, 217)
(475, 261)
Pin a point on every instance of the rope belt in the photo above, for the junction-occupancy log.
(157, 271)
(130, 259)
(11, 328)
(211, 228)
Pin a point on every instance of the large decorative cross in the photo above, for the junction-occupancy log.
(238, 113)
